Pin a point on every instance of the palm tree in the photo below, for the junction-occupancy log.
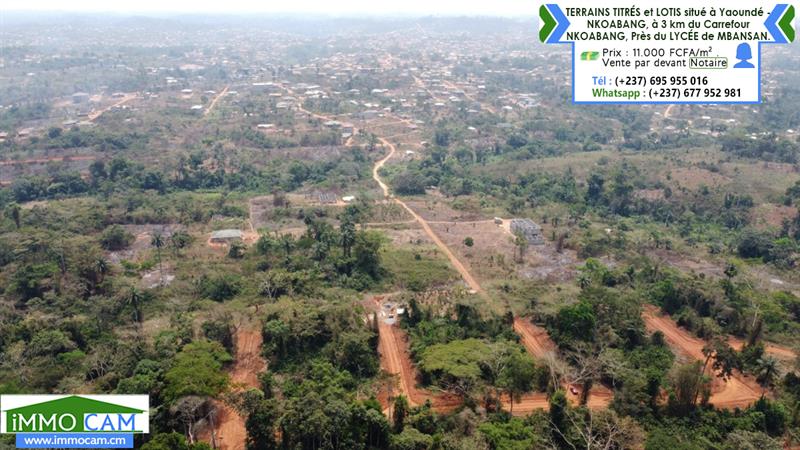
(287, 244)
(13, 212)
(101, 269)
(158, 242)
(348, 230)
(767, 370)
(134, 300)
(179, 240)
(521, 244)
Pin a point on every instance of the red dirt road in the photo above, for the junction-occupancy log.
(539, 344)
(739, 391)
(678, 338)
(393, 349)
(215, 101)
(230, 430)
(471, 282)
(535, 339)
(778, 351)
(394, 354)
(395, 359)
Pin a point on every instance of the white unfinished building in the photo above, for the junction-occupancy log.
(528, 229)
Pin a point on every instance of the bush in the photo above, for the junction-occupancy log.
(116, 238)
(220, 287)
(411, 439)
(753, 244)
(197, 370)
(409, 183)
(575, 323)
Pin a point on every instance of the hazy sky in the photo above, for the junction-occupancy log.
(328, 7)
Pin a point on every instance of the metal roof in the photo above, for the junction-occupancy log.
(226, 234)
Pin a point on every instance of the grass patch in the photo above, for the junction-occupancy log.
(418, 269)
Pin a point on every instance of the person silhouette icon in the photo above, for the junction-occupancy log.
(744, 54)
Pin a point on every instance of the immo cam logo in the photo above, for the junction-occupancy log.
(71, 421)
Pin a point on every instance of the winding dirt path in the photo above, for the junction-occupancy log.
(394, 354)
(471, 282)
(96, 114)
(738, 392)
(534, 339)
(216, 99)
(393, 348)
(539, 344)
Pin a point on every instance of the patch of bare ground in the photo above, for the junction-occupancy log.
(762, 276)
(688, 264)
(539, 345)
(739, 391)
(770, 215)
(649, 194)
(143, 235)
(543, 262)
(780, 167)
(395, 360)
(12, 169)
(490, 256)
(436, 210)
(229, 432)
(160, 276)
(694, 177)
(766, 278)
(493, 253)
(404, 235)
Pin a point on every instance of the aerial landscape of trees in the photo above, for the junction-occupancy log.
(298, 234)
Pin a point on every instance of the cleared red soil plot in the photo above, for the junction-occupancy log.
(396, 360)
(539, 344)
(739, 391)
(778, 351)
(535, 339)
(393, 349)
(230, 431)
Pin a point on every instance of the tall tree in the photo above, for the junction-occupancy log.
(399, 414)
(157, 241)
(767, 370)
(13, 212)
(686, 382)
(516, 377)
(348, 232)
(521, 246)
(260, 425)
(134, 301)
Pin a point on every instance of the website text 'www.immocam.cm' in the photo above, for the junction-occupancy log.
(36, 440)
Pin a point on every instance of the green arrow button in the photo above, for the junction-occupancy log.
(549, 23)
(786, 23)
